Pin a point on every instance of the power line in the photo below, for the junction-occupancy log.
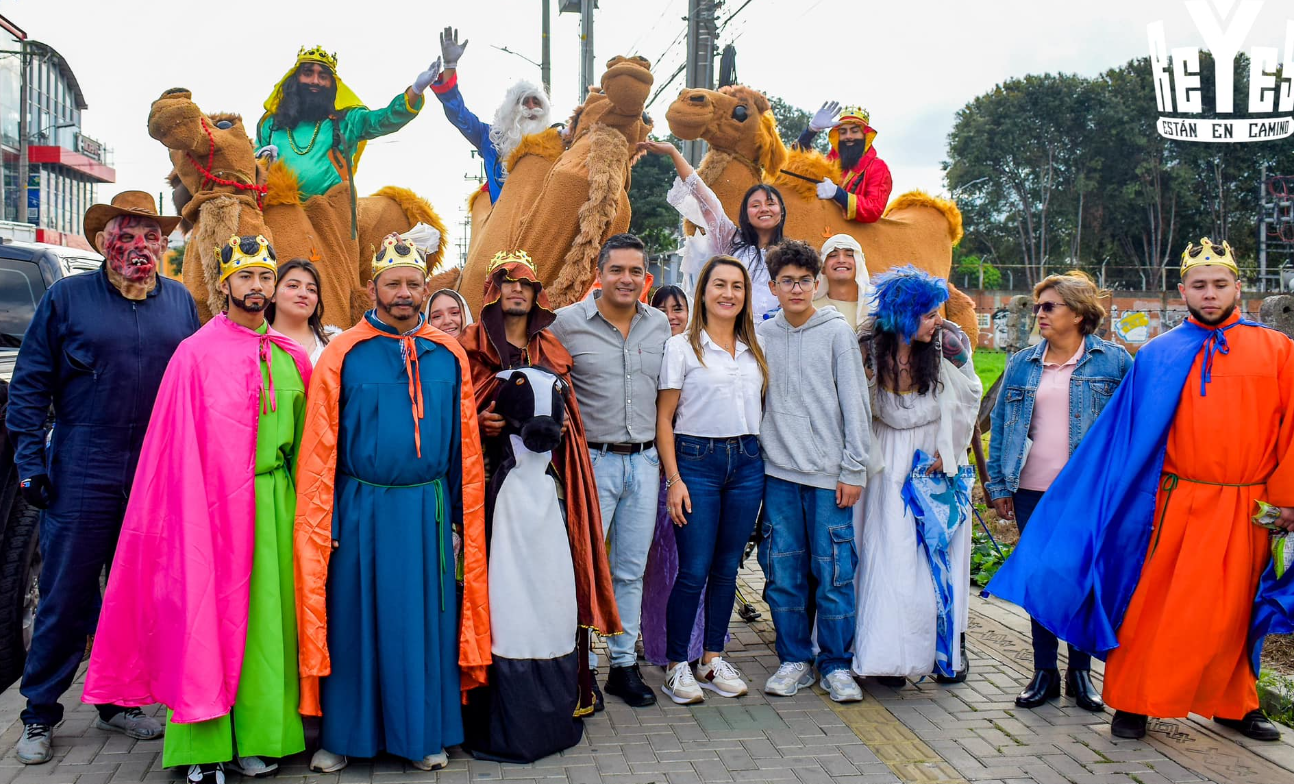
(666, 84)
(633, 48)
(671, 45)
(739, 10)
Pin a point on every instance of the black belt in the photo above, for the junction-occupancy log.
(622, 449)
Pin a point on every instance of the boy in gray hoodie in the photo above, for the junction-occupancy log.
(815, 435)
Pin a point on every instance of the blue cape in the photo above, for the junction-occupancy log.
(1080, 558)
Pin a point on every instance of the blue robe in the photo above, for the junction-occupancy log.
(391, 599)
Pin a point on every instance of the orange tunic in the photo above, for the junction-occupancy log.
(1182, 646)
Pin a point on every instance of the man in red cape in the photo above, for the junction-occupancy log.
(513, 332)
(865, 181)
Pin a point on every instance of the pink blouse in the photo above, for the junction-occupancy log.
(1049, 425)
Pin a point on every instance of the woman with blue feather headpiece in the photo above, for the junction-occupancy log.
(913, 574)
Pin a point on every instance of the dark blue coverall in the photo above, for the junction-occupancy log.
(98, 358)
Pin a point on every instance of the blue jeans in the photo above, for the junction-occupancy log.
(805, 534)
(73, 554)
(725, 481)
(628, 494)
(1045, 643)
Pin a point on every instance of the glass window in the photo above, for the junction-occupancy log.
(20, 289)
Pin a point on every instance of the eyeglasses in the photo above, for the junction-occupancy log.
(1047, 307)
(791, 284)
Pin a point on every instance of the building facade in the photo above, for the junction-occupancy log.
(64, 166)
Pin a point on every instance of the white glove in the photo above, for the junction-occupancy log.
(425, 78)
(827, 189)
(450, 48)
(270, 152)
(825, 117)
(423, 237)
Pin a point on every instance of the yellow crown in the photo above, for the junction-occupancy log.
(854, 114)
(1209, 252)
(239, 253)
(316, 54)
(512, 256)
(396, 251)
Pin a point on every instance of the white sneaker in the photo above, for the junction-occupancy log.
(431, 761)
(252, 767)
(681, 686)
(842, 687)
(324, 761)
(719, 676)
(206, 774)
(789, 679)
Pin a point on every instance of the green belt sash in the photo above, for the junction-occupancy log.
(1169, 484)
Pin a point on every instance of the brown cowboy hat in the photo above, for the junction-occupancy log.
(135, 203)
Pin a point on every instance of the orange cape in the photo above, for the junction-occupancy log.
(312, 544)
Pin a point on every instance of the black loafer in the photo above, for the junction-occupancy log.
(1079, 686)
(1128, 725)
(893, 681)
(627, 684)
(599, 704)
(1254, 725)
(1044, 686)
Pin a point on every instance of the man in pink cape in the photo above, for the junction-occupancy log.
(200, 611)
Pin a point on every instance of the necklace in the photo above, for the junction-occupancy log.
(313, 138)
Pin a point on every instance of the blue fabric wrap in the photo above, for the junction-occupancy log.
(1079, 560)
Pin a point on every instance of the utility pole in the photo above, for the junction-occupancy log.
(701, 34)
(1262, 230)
(586, 48)
(545, 56)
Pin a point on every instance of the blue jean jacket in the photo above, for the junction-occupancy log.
(1094, 380)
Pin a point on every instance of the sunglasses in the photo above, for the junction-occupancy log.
(1047, 307)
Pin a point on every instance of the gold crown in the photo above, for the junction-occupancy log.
(511, 256)
(239, 253)
(316, 54)
(854, 114)
(1209, 252)
(396, 251)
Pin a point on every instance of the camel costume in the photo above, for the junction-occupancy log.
(917, 228)
(233, 194)
(561, 204)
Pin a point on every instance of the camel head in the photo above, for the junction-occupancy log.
(216, 143)
(735, 120)
(618, 103)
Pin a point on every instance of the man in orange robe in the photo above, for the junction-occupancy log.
(513, 332)
(1200, 593)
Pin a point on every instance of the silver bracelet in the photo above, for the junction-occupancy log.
(673, 480)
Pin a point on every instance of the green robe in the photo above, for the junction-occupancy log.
(264, 717)
(309, 160)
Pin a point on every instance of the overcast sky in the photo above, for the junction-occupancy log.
(912, 64)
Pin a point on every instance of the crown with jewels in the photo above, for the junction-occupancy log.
(1209, 252)
(854, 114)
(316, 54)
(510, 257)
(397, 251)
(240, 253)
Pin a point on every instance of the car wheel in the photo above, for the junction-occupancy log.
(19, 588)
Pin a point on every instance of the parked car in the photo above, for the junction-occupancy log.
(27, 270)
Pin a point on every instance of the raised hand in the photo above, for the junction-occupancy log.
(825, 117)
(450, 48)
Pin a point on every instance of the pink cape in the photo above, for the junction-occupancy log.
(174, 619)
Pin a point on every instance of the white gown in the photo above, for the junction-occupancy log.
(896, 595)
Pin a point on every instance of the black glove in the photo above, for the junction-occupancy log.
(37, 491)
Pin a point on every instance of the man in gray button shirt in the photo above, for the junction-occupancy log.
(618, 343)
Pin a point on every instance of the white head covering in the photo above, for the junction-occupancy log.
(462, 304)
(860, 271)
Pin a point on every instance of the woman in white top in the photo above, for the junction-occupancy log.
(707, 425)
(296, 310)
(759, 225)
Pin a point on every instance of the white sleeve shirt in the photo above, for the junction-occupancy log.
(720, 399)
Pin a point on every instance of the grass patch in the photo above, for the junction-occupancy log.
(989, 364)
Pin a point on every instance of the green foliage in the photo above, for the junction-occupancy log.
(1057, 171)
(654, 220)
(792, 121)
(989, 364)
(969, 267)
(1276, 694)
(985, 560)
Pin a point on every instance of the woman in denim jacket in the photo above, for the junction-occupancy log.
(1050, 395)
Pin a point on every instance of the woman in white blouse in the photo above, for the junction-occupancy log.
(707, 425)
(759, 225)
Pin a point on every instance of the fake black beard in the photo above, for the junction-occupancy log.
(851, 152)
(250, 307)
(300, 105)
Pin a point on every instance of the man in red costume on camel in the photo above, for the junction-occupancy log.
(865, 183)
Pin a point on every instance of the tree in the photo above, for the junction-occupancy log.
(792, 121)
(654, 220)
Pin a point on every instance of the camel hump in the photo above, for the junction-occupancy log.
(917, 200)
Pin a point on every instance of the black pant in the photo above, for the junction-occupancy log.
(1045, 643)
